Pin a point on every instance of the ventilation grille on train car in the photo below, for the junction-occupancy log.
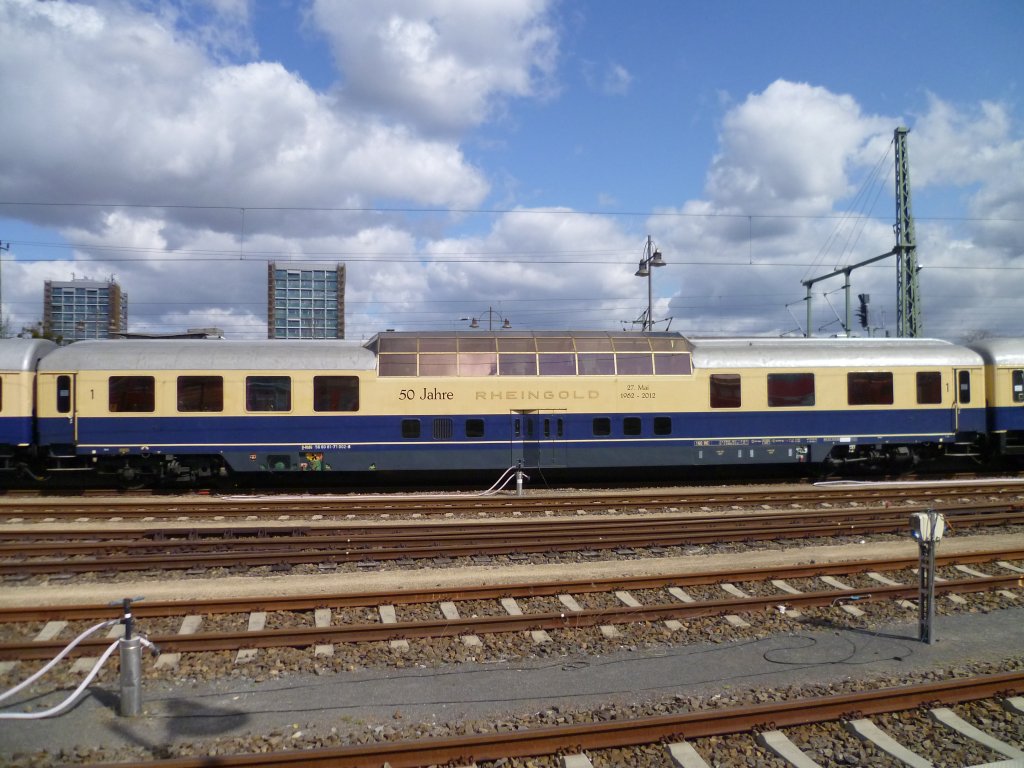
(443, 429)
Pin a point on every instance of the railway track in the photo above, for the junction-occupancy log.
(30, 552)
(706, 732)
(430, 505)
(528, 608)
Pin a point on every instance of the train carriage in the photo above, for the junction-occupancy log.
(18, 361)
(1004, 393)
(188, 409)
(423, 405)
(841, 401)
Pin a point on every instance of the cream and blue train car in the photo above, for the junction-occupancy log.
(840, 402)
(18, 361)
(190, 409)
(426, 405)
(1004, 393)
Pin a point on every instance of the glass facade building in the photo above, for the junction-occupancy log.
(84, 309)
(305, 300)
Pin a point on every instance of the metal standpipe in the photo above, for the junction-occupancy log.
(130, 647)
(927, 528)
(519, 478)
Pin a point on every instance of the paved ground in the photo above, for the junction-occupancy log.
(359, 700)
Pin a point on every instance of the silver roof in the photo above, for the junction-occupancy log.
(1000, 351)
(23, 354)
(823, 353)
(210, 355)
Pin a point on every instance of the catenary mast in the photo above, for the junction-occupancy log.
(908, 295)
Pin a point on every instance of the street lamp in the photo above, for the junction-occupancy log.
(491, 314)
(651, 258)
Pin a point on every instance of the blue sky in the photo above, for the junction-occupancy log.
(463, 154)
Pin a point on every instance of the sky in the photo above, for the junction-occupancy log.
(509, 159)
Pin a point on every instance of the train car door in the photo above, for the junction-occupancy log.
(62, 428)
(538, 438)
(961, 394)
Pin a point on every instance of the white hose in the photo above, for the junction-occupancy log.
(501, 482)
(50, 665)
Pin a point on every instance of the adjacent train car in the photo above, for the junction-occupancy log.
(423, 405)
(841, 401)
(1004, 394)
(161, 409)
(18, 361)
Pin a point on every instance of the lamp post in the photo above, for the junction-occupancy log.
(491, 314)
(651, 258)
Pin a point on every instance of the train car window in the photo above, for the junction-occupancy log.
(602, 426)
(662, 425)
(443, 429)
(268, 393)
(557, 365)
(554, 344)
(529, 429)
(517, 364)
(474, 427)
(632, 344)
(477, 344)
(547, 427)
(439, 365)
(514, 344)
(869, 388)
(964, 384)
(596, 364)
(677, 364)
(593, 344)
(725, 390)
(438, 344)
(631, 425)
(397, 344)
(1017, 382)
(478, 363)
(131, 394)
(397, 365)
(335, 393)
(410, 428)
(789, 390)
(63, 394)
(560, 428)
(638, 364)
(200, 393)
(929, 387)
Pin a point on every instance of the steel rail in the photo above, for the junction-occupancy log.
(355, 633)
(277, 552)
(152, 609)
(622, 733)
(434, 504)
(19, 539)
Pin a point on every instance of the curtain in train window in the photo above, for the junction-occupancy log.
(725, 390)
(869, 388)
(335, 393)
(789, 390)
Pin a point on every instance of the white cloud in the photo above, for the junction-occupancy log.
(440, 64)
(141, 115)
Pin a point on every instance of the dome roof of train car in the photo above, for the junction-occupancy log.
(210, 355)
(23, 354)
(1003, 351)
(827, 353)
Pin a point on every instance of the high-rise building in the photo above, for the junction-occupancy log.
(305, 300)
(84, 309)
